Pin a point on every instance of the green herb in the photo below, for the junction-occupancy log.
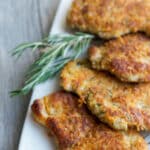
(59, 50)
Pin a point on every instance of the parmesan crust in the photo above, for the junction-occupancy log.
(121, 105)
(110, 18)
(128, 57)
(75, 129)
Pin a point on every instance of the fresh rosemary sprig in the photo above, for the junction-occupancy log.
(59, 50)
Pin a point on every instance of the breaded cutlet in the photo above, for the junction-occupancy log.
(121, 105)
(110, 18)
(75, 129)
(128, 57)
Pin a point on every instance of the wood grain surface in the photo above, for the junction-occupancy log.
(20, 21)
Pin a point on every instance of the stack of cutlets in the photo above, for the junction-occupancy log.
(112, 87)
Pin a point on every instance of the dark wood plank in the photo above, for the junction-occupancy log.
(20, 21)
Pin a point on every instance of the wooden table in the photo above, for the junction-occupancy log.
(20, 21)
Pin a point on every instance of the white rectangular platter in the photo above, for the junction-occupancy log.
(34, 136)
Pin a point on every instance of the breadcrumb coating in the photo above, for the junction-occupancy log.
(121, 105)
(75, 129)
(128, 57)
(110, 18)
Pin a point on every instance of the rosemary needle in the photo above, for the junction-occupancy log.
(59, 50)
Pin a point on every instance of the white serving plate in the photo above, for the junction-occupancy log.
(34, 136)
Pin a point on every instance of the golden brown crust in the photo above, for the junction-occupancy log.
(120, 105)
(128, 58)
(67, 122)
(75, 129)
(110, 18)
